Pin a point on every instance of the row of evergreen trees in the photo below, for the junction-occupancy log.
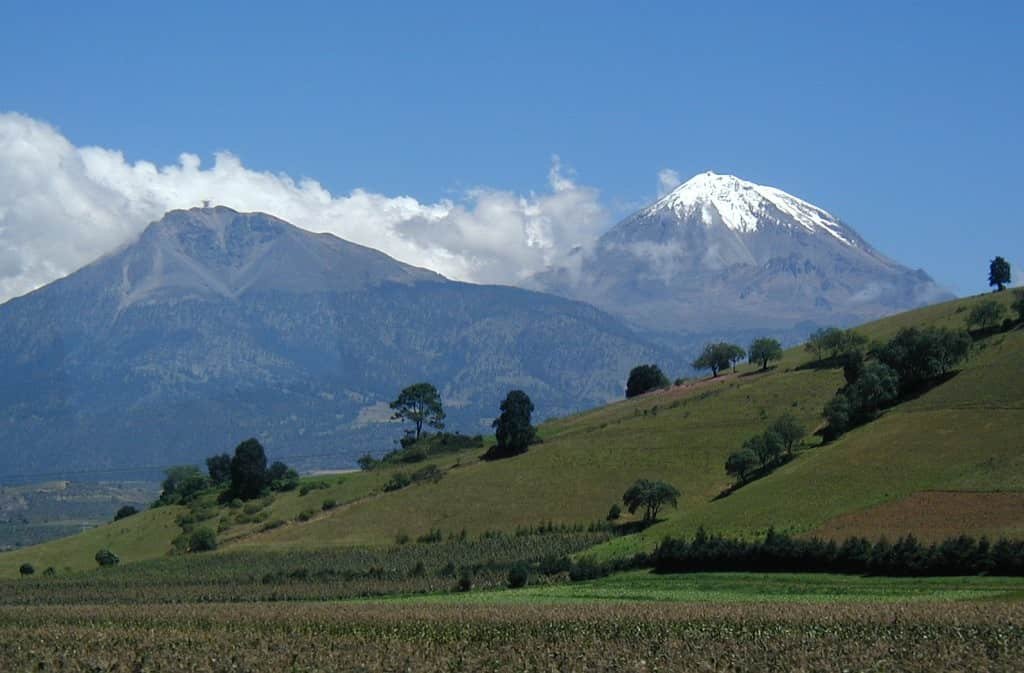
(778, 552)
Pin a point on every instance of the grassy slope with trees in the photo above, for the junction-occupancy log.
(962, 435)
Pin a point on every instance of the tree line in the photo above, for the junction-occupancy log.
(778, 552)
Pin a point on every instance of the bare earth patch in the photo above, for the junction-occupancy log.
(934, 515)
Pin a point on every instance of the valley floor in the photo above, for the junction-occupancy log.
(635, 621)
(603, 636)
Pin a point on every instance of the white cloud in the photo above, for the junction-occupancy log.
(668, 180)
(62, 206)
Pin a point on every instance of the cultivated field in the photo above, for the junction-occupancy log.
(602, 637)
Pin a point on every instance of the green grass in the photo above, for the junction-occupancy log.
(137, 538)
(748, 588)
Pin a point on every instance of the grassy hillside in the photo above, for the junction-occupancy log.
(959, 438)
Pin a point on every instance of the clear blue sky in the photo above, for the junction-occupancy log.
(905, 119)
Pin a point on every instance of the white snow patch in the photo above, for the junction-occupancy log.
(744, 206)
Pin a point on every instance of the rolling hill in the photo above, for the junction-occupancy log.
(956, 448)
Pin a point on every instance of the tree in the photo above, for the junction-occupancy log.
(26, 569)
(181, 484)
(789, 430)
(735, 354)
(248, 470)
(219, 468)
(999, 273)
(202, 539)
(421, 404)
(817, 342)
(764, 350)
(877, 387)
(740, 464)
(512, 428)
(106, 558)
(614, 512)
(920, 355)
(986, 314)
(651, 496)
(125, 512)
(643, 379)
(718, 356)
(767, 446)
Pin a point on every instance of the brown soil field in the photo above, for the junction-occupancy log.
(933, 516)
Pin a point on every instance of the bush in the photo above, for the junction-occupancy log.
(399, 480)
(433, 536)
(465, 581)
(518, 576)
(202, 539)
(26, 569)
(614, 513)
(329, 504)
(431, 473)
(106, 558)
(645, 378)
(125, 512)
(305, 515)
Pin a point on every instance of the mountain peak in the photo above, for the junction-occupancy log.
(220, 252)
(745, 207)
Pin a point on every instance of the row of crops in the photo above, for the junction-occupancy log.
(390, 636)
(446, 564)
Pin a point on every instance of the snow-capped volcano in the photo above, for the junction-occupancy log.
(720, 254)
(744, 206)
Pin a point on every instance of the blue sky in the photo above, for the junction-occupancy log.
(904, 119)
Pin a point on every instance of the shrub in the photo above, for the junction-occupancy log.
(431, 473)
(26, 569)
(329, 504)
(465, 581)
(614, 513)
(305, 515)
(399, 480)
(125, 512)
(106, 558)
(202, 539)
(433, 536)
(643, 379)
(518, 575)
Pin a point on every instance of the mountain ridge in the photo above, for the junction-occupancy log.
(216, 325)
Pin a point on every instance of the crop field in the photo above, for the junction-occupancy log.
(603, 637)
(323, 574)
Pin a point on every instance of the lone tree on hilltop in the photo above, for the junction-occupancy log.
(421, 404)
(764, 350)
(643, 379)
(986, 314)
(718, 356)
(512, 428)
(651, 496)
(999, 274)
(248, 470)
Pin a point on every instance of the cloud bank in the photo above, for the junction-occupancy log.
(63, 206)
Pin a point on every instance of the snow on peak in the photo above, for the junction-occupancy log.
(744, 206)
